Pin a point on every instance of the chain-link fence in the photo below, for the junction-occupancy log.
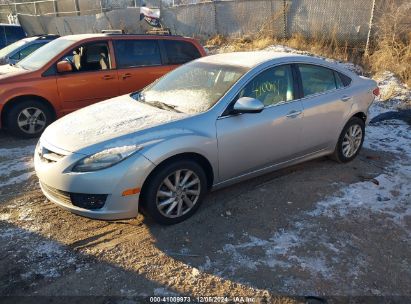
(345, 20)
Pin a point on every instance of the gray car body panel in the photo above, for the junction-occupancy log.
(237, 147)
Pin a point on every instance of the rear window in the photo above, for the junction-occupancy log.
(179, 52)
(137, 53)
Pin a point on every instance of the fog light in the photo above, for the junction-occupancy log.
(88, 201)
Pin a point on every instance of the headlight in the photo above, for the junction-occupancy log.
(104, 159)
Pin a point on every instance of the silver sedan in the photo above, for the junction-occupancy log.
(215, 121)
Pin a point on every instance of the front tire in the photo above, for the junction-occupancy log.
(174, 192)
(28, 118)
(350, 141)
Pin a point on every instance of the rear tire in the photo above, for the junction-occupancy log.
(350, 141)
(174, 192)
(28, 118)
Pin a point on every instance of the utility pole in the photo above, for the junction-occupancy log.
(367, 45)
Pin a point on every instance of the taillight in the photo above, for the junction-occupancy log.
(376, 91)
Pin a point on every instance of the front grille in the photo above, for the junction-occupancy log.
(58, 195)
(85, 201)
(49, 156)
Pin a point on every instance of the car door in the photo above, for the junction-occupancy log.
(249, 142)
(325, 103)
(139, 63)
(92, 78)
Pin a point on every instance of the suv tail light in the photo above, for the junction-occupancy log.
(376, 91)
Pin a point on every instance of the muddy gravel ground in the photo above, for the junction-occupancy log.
(320, 228)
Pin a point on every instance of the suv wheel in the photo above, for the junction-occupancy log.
(175, 192)
(350, 141)
(28, 118)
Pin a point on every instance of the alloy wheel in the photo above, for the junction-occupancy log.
(352, 141)
(31, 120)
(178, 193)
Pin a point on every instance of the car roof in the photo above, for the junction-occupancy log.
(255, 58)
(79, 37)
(8, 24)
(249, 59)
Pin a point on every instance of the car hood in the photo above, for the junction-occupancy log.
(8, 70)
(104, 121)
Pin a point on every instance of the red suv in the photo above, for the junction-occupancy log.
(72, 72)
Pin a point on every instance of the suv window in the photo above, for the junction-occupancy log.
(13, 33)
(27, 51)
(89, 57)
(272, 86)
(137, 53)
(316, 79)
(179, 52)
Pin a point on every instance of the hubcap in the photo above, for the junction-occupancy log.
(178, 193)
(352, 141)
(31, 120)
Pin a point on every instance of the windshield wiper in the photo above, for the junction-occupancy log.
(20, 66)
(155, 103)
(161, 105)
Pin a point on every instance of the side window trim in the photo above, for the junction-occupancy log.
(163, 52)
(298, 87)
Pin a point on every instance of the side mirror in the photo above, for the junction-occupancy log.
(248, 105)
(64, 66)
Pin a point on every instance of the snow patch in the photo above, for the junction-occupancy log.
(16, 165)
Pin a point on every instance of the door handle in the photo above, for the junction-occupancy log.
(345, 98)
(293, 114)
(126, 75)
(107, 77)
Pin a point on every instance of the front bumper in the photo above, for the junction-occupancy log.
(57, 184)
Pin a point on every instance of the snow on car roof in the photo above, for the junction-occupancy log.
(248, 59)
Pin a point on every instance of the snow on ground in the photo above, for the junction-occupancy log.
(16, 165)
(47, 258)
(393, 91)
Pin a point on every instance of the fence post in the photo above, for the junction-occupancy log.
(215, 17)
(55, 8)
(285, 18)
(367, 45)
(77, 7)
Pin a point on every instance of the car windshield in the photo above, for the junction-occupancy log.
(11, 48)
(43, 55)
(192, 88)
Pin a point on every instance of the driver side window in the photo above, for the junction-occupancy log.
(89, 57)
(272, 86)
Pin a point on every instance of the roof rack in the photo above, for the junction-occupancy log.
(160, 31)
(47, 36)
(145, 34)
(112, 31)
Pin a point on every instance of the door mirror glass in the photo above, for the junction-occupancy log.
(64, 66)
(248, 105)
